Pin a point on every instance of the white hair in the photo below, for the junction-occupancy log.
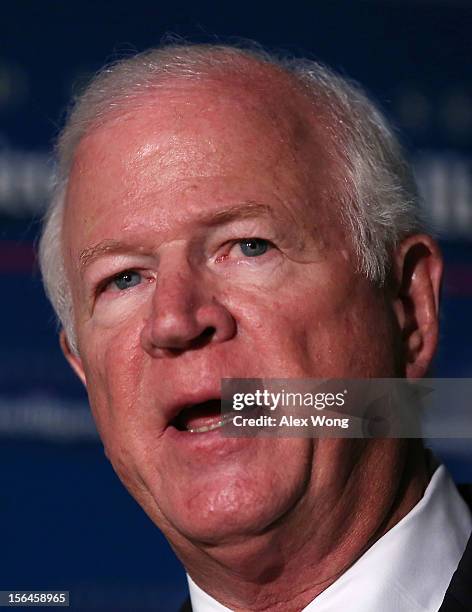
(378, 195)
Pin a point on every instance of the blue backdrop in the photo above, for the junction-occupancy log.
(66, 521)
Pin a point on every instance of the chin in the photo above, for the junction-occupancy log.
(228, 508)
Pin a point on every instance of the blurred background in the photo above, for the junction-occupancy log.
(66, 521)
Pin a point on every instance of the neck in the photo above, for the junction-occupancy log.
(371, 486)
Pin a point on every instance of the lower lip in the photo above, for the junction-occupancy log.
(214, 441)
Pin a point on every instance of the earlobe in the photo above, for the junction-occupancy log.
(418, 271)
(73, 358)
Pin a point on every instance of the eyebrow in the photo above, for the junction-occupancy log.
(90, 254)
(247, 210)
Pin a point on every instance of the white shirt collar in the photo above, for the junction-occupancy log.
(406, 570)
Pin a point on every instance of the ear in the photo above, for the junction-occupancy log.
(418, 273)
(74, 360)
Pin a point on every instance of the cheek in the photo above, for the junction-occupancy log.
(123, 410)
(350, 340)
(113, 365)
(318, 329)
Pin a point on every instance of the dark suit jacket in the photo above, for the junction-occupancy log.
(458, 596)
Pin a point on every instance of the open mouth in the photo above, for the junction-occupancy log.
(201, 418)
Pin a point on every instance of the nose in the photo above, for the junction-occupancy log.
(185, 315)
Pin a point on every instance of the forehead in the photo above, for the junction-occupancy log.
(219, 137)
(210, 109)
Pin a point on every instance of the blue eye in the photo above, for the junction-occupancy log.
(253, 247)
(127, 279)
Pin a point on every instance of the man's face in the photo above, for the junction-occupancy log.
(170, 296)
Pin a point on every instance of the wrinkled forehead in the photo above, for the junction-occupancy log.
(261, 98)
(250, 131)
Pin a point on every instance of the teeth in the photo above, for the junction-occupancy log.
(216, 425)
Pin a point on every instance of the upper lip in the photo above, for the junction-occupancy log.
(187, 399)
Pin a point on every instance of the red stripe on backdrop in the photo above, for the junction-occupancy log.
(17, 257)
